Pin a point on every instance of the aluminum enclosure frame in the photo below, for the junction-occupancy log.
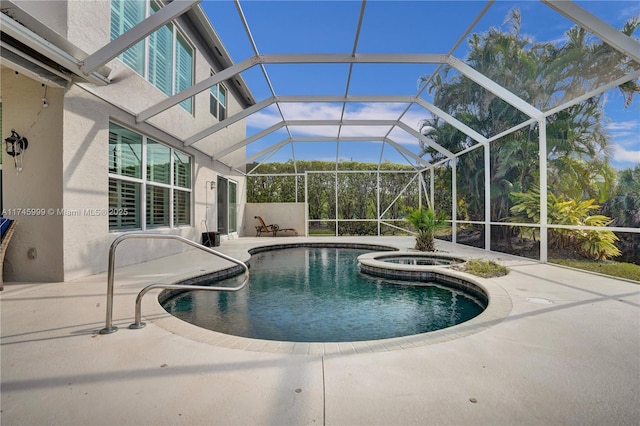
(90, 69)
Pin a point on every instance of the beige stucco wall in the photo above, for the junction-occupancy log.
(286, 215)
(52, 13)
(72, 178)
(83, 14)
(135, 94)
(39, 184)
(66, 167)
(85, 162)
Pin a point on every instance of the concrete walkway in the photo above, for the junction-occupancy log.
(573, 361)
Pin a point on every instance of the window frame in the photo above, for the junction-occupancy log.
(214, 99)
(145, 182)
(177, 34)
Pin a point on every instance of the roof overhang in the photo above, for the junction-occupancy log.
(37, 44)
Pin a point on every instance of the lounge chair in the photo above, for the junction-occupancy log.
(7, 227)
(273, 228)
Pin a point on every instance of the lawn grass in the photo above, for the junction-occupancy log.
(615, 269)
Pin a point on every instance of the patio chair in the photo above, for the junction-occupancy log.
(7, 227)
(263, 227)
(273, 228)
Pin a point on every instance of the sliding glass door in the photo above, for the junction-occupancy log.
(233, 207)
(227, 206)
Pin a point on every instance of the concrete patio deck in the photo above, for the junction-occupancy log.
(574, 361)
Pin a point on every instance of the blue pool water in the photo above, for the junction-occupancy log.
(311, 294)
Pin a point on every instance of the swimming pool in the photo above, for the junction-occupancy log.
(316, 294)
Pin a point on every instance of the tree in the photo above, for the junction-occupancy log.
(624, 207)
(426, 223)
(544, 75)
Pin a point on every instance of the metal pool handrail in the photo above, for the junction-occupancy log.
(109, 327)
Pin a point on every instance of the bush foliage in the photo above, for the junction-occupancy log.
(595, 244)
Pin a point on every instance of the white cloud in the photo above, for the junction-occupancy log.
(310, 111)
(381, 111)
(628, 12)
(623, 125)
(328, 131)
(264, 118)
(332, 111)
(625, 156)
(625, 141)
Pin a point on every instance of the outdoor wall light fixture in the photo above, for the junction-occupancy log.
(16, 145)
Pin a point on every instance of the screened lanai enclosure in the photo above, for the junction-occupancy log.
(518, 120)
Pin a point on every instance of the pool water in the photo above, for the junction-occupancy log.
(311, 294)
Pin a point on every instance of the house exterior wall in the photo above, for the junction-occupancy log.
(53, 14)
(27, 195)
(85, 162)
(71, 172)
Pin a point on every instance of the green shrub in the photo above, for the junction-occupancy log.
(484, 268)
(594, 244)
(357, 228)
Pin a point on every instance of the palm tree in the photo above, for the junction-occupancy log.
(544, 75)
(426, 222)
(624, 207)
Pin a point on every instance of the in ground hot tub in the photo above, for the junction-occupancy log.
(421, 267)
(421, 259)
(407, 261)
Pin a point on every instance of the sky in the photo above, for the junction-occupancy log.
(281, 27)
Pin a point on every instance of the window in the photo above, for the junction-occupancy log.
(124, 16)
(182, 179)
(161, 57)
(157, 206)
(149, 183)
(218, 101)
(124, 197)
(184, 70)
(158, 173)
(165, 58)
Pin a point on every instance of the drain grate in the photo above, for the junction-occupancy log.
(539, 301)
